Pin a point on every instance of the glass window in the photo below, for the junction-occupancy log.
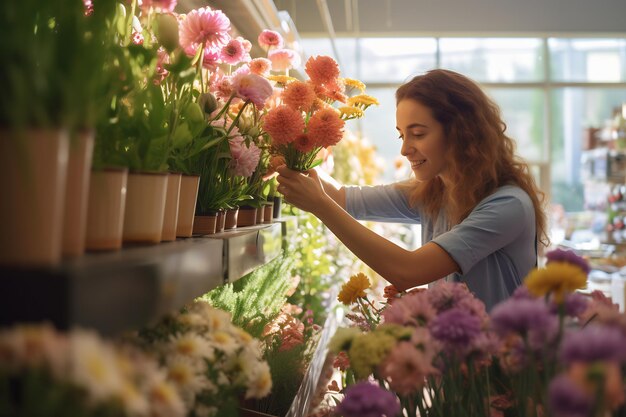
(588, 60)
(494, 59)
(523, 111)
(395, 59)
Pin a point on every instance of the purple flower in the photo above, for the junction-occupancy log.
(367, 400)
(455, 327)
(593, 343)
(521, 315)
(560, 255)
(575, 304)
(566, 399)
(522, 292)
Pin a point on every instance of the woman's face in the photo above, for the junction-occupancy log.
(423, 141)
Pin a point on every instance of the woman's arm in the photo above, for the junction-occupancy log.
(332, 188)
(404, 269)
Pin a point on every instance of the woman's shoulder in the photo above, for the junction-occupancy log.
(508, 193)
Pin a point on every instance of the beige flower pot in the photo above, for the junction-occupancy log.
(268, 212)
(170, 218)
(205, 224)
(77, 194)
(259, 215)
(231, 218)
(33, 168)
(105, 209)
(187, 205)
(145, 207)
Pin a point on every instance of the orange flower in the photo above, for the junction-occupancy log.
(299, 95)
(303, 143)
(326, 127)
(322, 70)
(354, 289)
(284, 124)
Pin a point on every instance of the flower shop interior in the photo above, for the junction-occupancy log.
(150, 265)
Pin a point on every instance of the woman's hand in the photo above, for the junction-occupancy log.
(302, 189)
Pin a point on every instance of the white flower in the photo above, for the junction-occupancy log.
(133, 402)
(191, 344)
(187, 374)
(259, 381)
(164, 400)
(223, 341)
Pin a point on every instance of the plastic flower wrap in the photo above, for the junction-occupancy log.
(211, 361)
(306, 119)
(45, 372)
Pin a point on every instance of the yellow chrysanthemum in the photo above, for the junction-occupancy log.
(557, 278)
(354, 289)
(281, 79)
(351, 82)
(368, 350)
(349, 112)
(362, 101)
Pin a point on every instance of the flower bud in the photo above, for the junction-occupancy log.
(167, 31)
(207, 102)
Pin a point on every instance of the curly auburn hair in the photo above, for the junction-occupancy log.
(481, 156)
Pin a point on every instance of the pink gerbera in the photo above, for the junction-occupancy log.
(268, 39)
(234, 52)
(322, 70)
(162, 5)
(284, 124)
(252, 87)
(406, 368)
(260, 66)
(206, 27)
(326, 127)
(303, 143)
(300, 95)
(284, 59)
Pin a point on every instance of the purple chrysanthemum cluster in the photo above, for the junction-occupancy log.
(594, 343)
(568, 400)
(520, 315)
(368, 400)
(455, 327)
(560, 255)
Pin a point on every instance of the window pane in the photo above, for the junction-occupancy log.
(588, 60)
(494, 59)
(575, 109)
(395, 59)
(523, 112)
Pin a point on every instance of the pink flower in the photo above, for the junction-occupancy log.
(88, 7)
(137, 38)
(247, 45)
(162, 5)
(406, 368)
(234, 52)
(248, 157)
(252, 87)
(284, 59)
(211, 59)
(260, 66)
(283, 124)
(268, 39)
(206, 27)
(413, 309)
(236, 144)
(163, 58)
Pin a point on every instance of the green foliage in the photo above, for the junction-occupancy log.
(255, 299)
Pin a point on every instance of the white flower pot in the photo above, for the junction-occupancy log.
(105, 209)
(145, 207)
(170, 217)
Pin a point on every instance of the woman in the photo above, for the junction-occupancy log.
(478, 204)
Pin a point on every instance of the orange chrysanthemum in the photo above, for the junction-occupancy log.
(354, 289)
(303, 143)
(299, 95)
(260, 66)
(284, 124)
(322, 70)
(326, 127)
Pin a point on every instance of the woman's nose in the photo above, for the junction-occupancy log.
(406, 149)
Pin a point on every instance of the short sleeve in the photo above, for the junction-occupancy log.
(379, 203)
(493, 224)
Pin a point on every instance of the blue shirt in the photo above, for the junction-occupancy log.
(494, 247)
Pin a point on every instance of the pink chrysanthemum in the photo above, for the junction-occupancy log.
(234, 52)
(162, 5)
(260, 66)
(252, 87)
(411, 310)
(299, 95)
(247, 157)
(211, 59)
(223, 88)
(268, 39)
(283, 59)
(406, 368)
(322, 70)
(247, 45)
(284, 124)
(206, 27)
(303, 143)
(326, 127)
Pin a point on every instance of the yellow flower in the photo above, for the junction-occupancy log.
(558, 278)
(362, 101)
(354, 289)
(368, 350)
(281, 79)
(351, 82)
(348, 112)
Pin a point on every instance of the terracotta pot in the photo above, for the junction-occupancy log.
(246, 216)
(105, 209)
(170, 216)
(268, 212)
(187, 205)
(259, 215)
(205, 224)
(145, 206)
(221, 221)
(231, 218)
(33, 168)
(77, 194)
(277, 206)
